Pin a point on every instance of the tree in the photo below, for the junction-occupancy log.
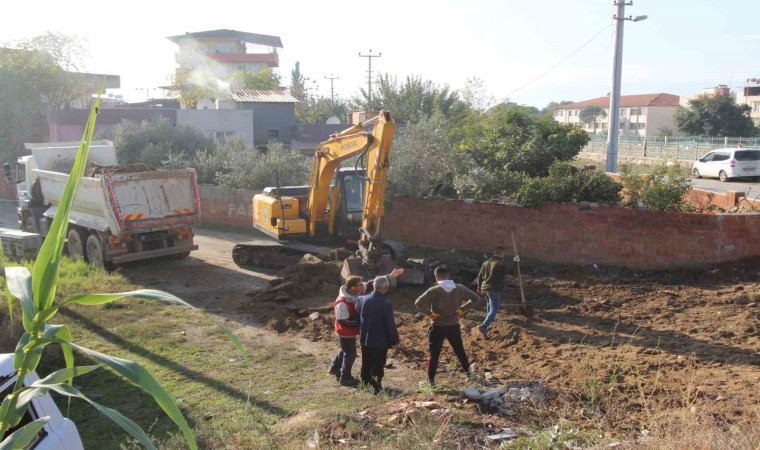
(190, 90)
(412, 99)
(553, 106)
(36, 75)
(590, 114)
(265, 79)
(510, 139)
(716, 115)
(156, 142)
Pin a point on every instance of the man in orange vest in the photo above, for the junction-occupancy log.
(347, 327)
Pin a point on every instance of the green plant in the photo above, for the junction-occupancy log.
(663, 189)
(566, 184)
(36, 292)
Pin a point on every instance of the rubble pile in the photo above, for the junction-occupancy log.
(407, 413)
(311, 275)
(97, 169)
(463, 269)
(513, 396)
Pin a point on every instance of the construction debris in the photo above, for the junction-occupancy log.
(98, 169)
(462, 268)
(407, 413)
(512, 396)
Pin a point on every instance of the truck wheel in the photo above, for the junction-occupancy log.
(95, 254)
(182, 255)
(76, 244)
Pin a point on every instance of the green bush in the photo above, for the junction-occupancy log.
(663, 189)
(566, 184)
(151, 142)
(235, 167)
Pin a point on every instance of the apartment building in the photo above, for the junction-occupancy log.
(224, 52)
(643, 115)
(750, 95)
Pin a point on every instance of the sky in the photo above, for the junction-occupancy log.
(683, 46)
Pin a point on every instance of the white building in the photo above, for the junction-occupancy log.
(643, 115)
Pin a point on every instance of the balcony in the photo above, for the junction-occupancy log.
(270, 59)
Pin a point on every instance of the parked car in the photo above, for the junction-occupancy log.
(60, 433)
(727, 163)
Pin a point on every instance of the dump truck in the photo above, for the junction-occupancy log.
(120, 213)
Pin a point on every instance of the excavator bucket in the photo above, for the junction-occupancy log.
(354, 266)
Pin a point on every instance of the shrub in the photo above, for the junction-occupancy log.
(663, 189)
(150, 142)
(566, 184)
(235, 167)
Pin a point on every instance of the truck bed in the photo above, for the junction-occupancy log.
(129, 202)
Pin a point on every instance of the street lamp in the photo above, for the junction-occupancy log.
(613, 131)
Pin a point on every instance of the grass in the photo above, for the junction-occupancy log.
(229, 402)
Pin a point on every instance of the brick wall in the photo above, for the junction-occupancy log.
(227, 207)
(567, 234)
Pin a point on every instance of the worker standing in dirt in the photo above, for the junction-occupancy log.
(377, 332)
(347, 326)
(491, 282)
(443, 304)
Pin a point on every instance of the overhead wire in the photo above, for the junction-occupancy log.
(561, 61)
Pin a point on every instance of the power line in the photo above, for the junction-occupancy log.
(332, 88)
(369, 73)
(557, 65)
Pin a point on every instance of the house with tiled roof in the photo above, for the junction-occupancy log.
(643, 115)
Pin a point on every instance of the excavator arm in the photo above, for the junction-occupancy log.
(374, 149)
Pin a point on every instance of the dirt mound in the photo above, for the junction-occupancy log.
(310, 276)
(98, 169)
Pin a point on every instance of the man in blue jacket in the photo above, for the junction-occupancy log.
(377, 332)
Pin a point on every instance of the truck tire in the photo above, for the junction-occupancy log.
(96, 254)
(77, 238)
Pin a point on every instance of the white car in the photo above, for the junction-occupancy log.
(59, 433)
(727, 163)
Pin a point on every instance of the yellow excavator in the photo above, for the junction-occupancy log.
(341, 207)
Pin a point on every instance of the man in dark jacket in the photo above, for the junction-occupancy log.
(444, 304)
(491, 283)
(347, 326)
(377, 332)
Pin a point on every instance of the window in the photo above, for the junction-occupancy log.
(643, 111)
(354, 187)
(747, 155)
(223, 48)
(635, 111)
(274, 134)
(641, 126)
(220, 136)
(708, 157)
(622, 111)
(755, 106)
(721, 157)
(604, 125)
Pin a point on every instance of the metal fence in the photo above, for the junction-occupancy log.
(670, 147)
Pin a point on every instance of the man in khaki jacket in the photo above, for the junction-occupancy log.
(444, 304)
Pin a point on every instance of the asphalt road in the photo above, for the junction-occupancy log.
(752, 188)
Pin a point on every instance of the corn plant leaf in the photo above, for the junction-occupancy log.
(118, 418)
(64, 333)
(19, 282)
(9, 301)
(33, 355)
(144, 380)
(24, 435)
(11, 413)
(64, 375)
(45, 271)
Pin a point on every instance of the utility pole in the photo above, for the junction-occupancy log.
(369, 73)
(613, 133)
(332, 87)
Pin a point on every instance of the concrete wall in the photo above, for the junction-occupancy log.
(660, 117)
(211, 121)
(272, 116)
(568, 234)
(68, 124)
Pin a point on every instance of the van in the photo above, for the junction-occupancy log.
(728, 163)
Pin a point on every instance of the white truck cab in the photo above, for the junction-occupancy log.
(60, 433)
